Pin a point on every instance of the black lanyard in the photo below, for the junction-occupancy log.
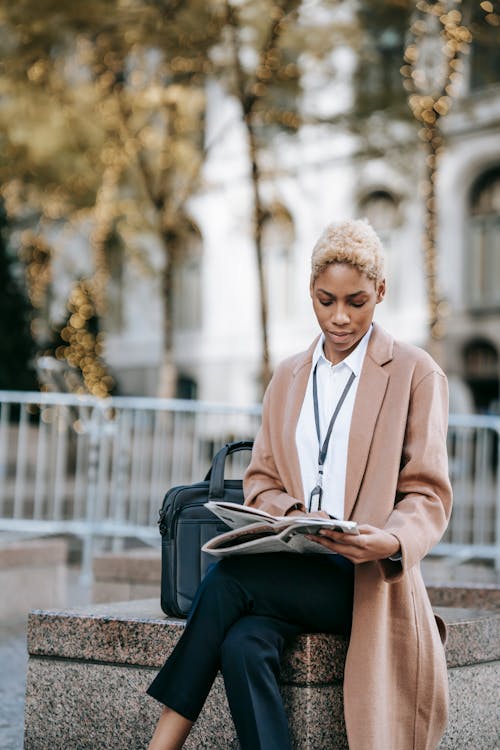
(323, 449)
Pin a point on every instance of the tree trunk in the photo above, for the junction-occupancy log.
(167, 385)
(258, 218)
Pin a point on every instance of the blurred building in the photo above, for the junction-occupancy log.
(322, 174)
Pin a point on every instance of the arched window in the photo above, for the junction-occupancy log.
(277, 247)
(481, 370)
(187, 293)
(381, 209)
(484, 246)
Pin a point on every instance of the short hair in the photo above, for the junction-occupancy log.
(353, 241)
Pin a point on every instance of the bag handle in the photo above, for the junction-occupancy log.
(216, 472)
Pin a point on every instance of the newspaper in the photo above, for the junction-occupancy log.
(254, 531)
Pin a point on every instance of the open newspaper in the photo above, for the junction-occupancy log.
(254, 531)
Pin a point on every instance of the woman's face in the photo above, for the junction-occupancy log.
(344, 301)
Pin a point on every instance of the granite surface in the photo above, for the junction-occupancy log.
(473, 719)
(89, 668)
(83, 706)
(138, 633)
(316, 717)
(67, 707)
(472, 595)
(124, 633)
(473, 635)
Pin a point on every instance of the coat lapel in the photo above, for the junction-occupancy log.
(295, 399)
(369, 397)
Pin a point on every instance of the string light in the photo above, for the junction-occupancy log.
(444, 20)
(36, 256)
(83, 348)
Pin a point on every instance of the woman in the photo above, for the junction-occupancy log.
(355, 428)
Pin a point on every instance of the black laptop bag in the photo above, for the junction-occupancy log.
(185, 525)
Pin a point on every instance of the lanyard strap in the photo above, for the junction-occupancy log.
(323, 449)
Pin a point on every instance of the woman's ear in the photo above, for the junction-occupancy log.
(380, 291)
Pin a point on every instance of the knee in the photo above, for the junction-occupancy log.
(221, 576)
(216, 577)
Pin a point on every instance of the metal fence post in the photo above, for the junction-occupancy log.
(93, 427)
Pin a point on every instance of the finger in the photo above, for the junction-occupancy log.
(324, 542)
(331, 533)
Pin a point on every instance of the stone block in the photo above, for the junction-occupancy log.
(468, 595)
(134, 574)
(33, 573)
(89, 669)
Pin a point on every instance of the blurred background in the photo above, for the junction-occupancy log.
(165, 169)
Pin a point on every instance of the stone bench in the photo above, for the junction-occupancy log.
(465, 595)
(132, 574)
(89, 668)
(33, 573)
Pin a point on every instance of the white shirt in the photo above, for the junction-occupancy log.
(331, 381)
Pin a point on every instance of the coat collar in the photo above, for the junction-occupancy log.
(371, 390)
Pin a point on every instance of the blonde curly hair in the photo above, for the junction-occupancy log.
(353, 241)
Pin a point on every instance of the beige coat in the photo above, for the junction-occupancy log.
(395, 685)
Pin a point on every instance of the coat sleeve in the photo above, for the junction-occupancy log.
(263, 486)
(424, 496)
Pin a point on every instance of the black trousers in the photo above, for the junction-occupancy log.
(246, 610)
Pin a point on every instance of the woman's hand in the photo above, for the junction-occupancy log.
(370, 544)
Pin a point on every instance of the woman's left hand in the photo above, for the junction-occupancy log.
(370, 544)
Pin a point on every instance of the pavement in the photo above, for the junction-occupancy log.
(13, 667)
(13, 663)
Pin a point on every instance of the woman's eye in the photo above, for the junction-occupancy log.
(357, 304)
(325, 302)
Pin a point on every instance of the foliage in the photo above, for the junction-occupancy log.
(102, 120)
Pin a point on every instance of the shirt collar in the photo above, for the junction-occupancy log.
(354, 361)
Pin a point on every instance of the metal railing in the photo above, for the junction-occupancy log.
(474, 460)
(98, 469)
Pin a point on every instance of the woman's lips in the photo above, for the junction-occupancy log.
(340, 334)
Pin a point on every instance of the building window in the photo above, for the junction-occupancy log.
(187, 285)
(484, 242)
(186, 388)
(378, 82)
(481, 369)
(381, 209)
(115, 261)
(277, 247)
(485, 49)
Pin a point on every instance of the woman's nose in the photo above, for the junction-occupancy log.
(340, 315)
